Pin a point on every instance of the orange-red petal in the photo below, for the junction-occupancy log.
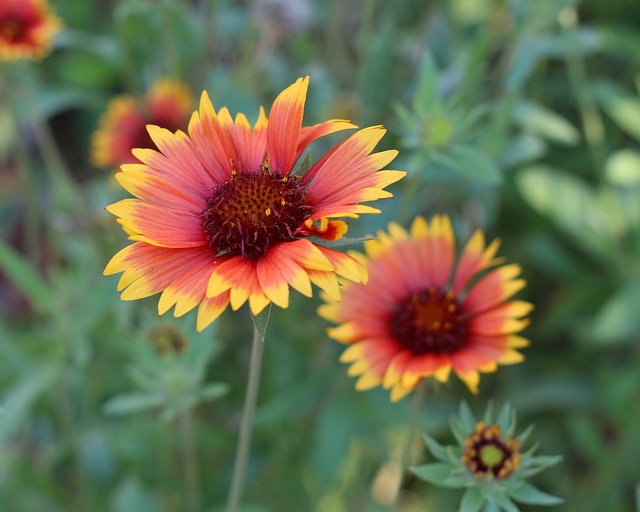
(285, 123)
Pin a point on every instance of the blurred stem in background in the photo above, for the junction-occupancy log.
(26, 111)
(32, 227)
(406, 460)
(366, 33)
(592, 125)
(248, 412)
(171, 44)
(190, 461)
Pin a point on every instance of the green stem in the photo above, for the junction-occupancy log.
(592, 124)
(246, 425)
(407, 459)
(190, 462)
(70, 424)
(32, 223)
(366, 32)
(63, 185)
(170, 44)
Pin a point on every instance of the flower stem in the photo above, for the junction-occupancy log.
(406, 460)
(23, 162)
(244, 441)
(32, 220)
(190, 461)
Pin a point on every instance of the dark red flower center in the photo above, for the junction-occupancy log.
(485, 453)
(12, 29)
(254, 211)
(429, 321)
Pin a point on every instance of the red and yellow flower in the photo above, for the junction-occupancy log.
(219, 218)
(423, 314)
(27, 28)
(123, 126)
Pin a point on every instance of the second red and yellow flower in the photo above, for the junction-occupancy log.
(425, 313)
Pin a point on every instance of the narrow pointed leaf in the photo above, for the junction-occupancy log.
(471, 501)
(436, 473)
(130, 403)
(261, 321)
(472, 163)
(466, 417)
(527, 493)
(437, 450)
(213, 391)
(505, 503)
(26, 279)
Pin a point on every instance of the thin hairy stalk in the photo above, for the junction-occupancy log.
(246, 425)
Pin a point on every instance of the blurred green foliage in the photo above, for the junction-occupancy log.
(518, 116)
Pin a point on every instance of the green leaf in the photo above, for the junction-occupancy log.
(542, 121)
(261, 321)
(525, 435)
(506, 420)
(571, 204)
(459, 477)
(472, 163)
(527, 493)
(458, 430)
(491, 507)
(437, 473)
(290, 402)
(18, 399)
(405, 116)
(131, 496)
(26, 279)
(623, 168)
(472, 500)
(344, 241)
(621, 107)
(505, 503)
(427, 91)
(129, 403)
(213, 391)
(332, 434)
(535, 465)
(487, 418)
(303, 166)
(55, 100)
(521, 148)
(638, 498)
(523, 63)
(466, 417)
(437, 450)
(617, 321)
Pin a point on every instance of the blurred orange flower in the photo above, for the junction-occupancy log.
(423, 314)
(220, 219)
(27, 28)
(123, 126)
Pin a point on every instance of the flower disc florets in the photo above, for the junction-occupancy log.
(429, 321)
(486, 453)
(253, 211)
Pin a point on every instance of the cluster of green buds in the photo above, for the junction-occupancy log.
(488, 462)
